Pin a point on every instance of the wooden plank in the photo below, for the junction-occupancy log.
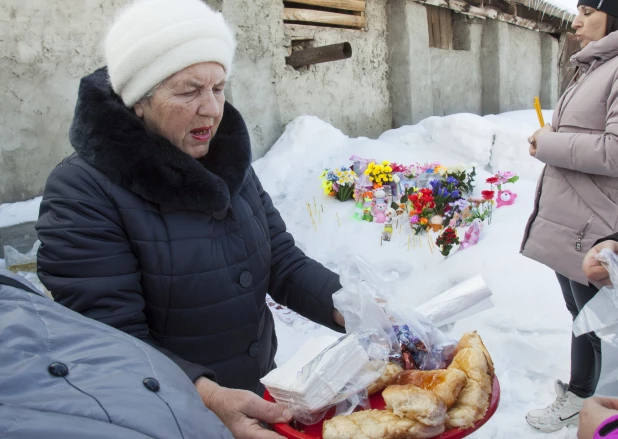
(435, 27)
(322, 17)
(429, 11)
(446, 29)
(346, 5)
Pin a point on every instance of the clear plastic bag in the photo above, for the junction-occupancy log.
(601, 313)
(329, 373)
(601, 316)
(16, 261)
(366, 302)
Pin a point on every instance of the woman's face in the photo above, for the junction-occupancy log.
(590, 25)
(187, 108)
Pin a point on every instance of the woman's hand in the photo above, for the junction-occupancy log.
(338, 318)
(532, 140)
(242, 411)
(595, 411)
(595, 272)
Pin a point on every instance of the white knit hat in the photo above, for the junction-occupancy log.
(153, 39)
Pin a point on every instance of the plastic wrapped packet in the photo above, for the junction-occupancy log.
(16, 261)
(463, 300)
(321, 377)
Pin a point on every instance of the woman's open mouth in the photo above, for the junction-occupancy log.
(201, 134)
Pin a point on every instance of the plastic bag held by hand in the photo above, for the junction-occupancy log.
(366, 302)
(601, 313)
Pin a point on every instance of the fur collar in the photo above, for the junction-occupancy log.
(113, 140)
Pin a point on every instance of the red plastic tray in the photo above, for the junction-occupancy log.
(376, 401)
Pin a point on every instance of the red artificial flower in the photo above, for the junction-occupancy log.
(397, 167)
(488, 195)
(492, 180)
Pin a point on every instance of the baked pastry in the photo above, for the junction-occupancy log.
(473, 340)
(446, 384)
(414, 403)
(470, 407)
(473, 401)
(380, 384)
(474, 364)
(377, 424)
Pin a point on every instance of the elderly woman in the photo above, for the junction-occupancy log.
(578, 194)
(157, 225)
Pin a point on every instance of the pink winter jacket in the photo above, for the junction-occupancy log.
(577, 195)
(608, 429)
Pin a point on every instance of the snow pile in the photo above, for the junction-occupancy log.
(20, 212)
(527, 332)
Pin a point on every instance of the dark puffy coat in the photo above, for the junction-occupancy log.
(175, 251)
(63, 376)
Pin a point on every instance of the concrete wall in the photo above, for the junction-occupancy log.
(494, 67)
(457, 76)
(46, 47)
(392, 79)
(352, 94)
(524, 68)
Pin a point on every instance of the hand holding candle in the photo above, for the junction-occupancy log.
(539, 111)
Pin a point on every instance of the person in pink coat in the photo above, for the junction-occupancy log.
(577, 196)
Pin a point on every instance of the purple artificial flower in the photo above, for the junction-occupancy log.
(452, 180)
(414, 219)
(455, 194)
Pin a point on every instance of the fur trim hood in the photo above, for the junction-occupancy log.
(112, 139)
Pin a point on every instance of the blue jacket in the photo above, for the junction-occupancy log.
(175, 251)
(64, 376)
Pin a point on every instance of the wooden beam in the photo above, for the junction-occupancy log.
(528, 24)
(461, 7)
(556, 12)
(322, 17)
(346, 5)
(485, 12)
(524, 11)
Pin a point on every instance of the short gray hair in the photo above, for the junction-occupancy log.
(151, 92)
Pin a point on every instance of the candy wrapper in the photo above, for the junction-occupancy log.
(366, 302)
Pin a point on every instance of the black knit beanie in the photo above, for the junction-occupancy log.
(608, 6)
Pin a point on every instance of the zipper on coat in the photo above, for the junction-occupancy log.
(582, 233)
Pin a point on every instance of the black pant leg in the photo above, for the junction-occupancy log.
(583, 294)
(583, 368)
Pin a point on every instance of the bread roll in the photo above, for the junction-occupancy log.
(414, 403)
(474, 364)
(446, 384)
(377, 424)
(470, 407)
(380, 384)
(474, 341)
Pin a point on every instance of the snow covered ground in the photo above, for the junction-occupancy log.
(528, 330)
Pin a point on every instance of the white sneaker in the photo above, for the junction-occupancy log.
(563, 412)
